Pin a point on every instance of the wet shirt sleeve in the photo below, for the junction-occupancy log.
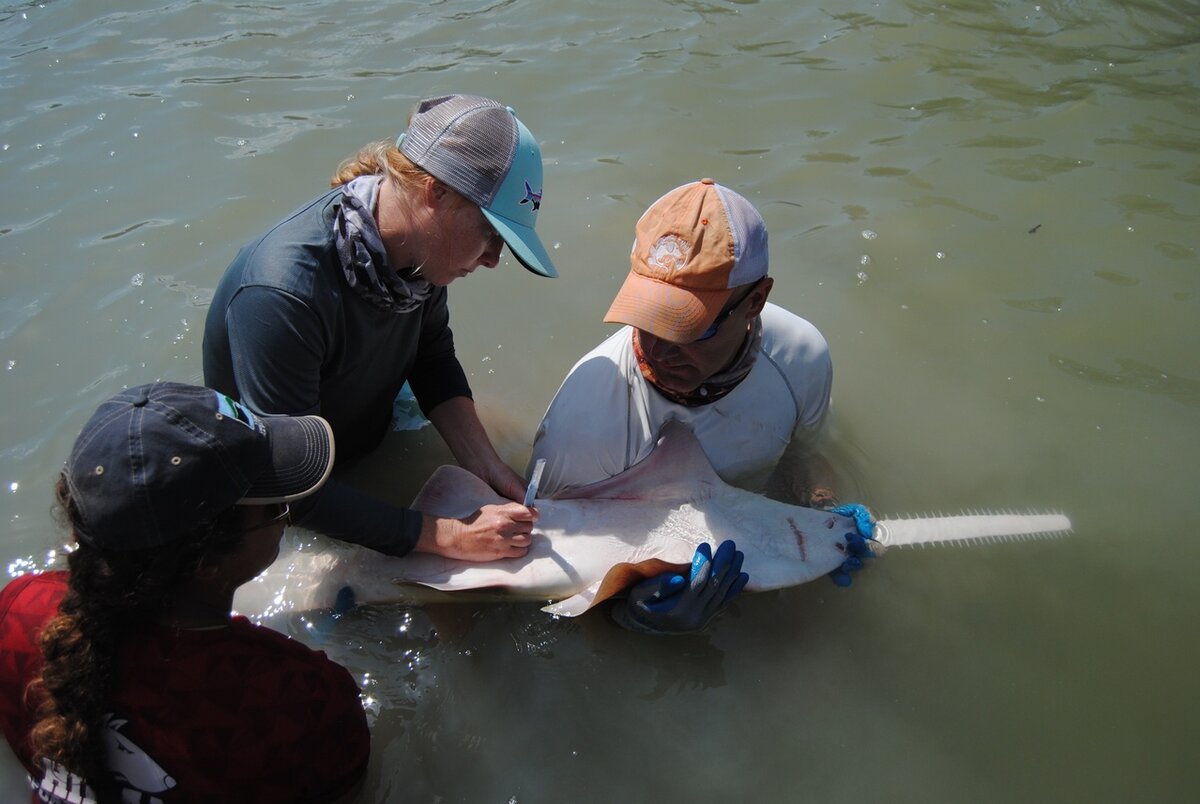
(277, 344)
(436, 374)
(588, 433)
(344, 512)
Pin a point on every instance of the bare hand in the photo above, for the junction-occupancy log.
(491, 533)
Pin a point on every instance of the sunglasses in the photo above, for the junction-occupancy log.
(284, 516)
(722, 316)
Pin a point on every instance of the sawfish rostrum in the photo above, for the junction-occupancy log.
(593, 542)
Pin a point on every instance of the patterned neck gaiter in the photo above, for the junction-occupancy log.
(363, 256)
(715, 386)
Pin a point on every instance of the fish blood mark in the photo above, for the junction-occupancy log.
(799, 540)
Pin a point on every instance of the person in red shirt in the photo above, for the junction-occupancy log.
(127, 677)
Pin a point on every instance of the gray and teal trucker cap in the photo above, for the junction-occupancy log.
(480, 148)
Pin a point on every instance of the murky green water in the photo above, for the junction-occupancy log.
(991, 211)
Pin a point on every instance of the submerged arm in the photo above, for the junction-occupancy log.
(803, 475)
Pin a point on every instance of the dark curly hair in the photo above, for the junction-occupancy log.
(108, 593)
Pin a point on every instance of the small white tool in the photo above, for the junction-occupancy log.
(534, 480)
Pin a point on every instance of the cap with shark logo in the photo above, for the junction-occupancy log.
(158, 461)
(478, 147)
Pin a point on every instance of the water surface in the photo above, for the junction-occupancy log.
(990, 209)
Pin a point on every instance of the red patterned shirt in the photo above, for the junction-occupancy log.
(241, 713)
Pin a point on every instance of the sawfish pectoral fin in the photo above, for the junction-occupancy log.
(619, 578)
(452, 491)
(677, 456)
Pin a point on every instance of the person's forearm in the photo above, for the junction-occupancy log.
(458, 424)
(817, 482)
(346, 513)
(803, 476)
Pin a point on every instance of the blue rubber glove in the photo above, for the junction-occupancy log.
(669, 604)
(857, 547)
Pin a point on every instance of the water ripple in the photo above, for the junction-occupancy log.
(927, 202)
(1133, 205)
(241, 79)
(1035, 167)
(1134, 375)
(153, 222)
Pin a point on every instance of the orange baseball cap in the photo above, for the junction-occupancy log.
(693, 246)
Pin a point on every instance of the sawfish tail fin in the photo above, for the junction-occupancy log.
(971, 527)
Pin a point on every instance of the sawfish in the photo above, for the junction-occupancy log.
(594, 542)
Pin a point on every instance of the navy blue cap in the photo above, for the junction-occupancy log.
(157, 461)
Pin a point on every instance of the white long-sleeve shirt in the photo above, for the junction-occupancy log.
(606, 416)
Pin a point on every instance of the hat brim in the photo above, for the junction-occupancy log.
(302, 453)
(524, 243)
(675, 314)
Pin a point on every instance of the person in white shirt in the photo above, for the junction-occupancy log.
(701, 345)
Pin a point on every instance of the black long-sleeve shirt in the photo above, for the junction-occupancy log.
(286, 335)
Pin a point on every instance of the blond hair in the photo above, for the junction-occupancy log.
(380, 158)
